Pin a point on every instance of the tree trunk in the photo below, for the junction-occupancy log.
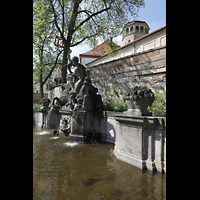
(65, 59)
(41, 73)
(41, 87)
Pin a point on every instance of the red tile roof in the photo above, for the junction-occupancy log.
(101, 49)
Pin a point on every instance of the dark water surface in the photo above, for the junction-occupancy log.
(64, 170)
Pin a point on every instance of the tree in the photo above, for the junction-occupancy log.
(78, 21)
(86, 20)
(44, 55)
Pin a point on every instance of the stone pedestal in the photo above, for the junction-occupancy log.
(78, 126)
(53, 118)
(141, 141)
(85, 126)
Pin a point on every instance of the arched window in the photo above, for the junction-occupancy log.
(141, 29)
(146, 31)
(129, 41)
(137, 28)
(131, 29)
(127, 30)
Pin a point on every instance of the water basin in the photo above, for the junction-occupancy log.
(69, 170)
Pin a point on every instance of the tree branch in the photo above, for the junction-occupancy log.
(52, 68)
(94, 14)
(55, 19)
(87, 37)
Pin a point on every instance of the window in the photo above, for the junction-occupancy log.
(146, 31)
(127, 30)
(131, 29)
(129, 41)
(141, 29)
(137, 28)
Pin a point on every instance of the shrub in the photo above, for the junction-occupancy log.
(36, 106)
(158, 107)
(114, 105)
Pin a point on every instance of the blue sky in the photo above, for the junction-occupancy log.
(154, 13)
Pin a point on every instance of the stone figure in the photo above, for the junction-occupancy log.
(45, 103)
(79, 75)
(138, 99)
(64, 100)
(83, 93)
(66, 127)
(79, 90)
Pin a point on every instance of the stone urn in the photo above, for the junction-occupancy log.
(138, 99)
(45, 103)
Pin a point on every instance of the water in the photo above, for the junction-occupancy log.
(64, 170)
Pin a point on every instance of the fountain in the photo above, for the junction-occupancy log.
(79, 97)
(139, 138)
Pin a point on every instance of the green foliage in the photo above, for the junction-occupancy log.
(44, 52)
(114, 105)
(36, 106)
(158, 107)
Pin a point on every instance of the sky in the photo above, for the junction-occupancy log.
(154, 14)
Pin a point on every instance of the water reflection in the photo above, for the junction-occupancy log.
(70, 170)
(71, 144)
(42, 133)
(54, 138)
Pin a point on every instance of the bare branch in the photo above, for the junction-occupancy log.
(55, 19)
(87, 37)
(52, 68)
(94, 14)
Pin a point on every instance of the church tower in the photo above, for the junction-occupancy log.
(134, 30)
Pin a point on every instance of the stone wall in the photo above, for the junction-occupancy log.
(147, 68)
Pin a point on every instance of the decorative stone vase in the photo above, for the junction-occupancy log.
(45, 103)
(138, 99)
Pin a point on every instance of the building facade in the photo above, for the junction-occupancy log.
(141, 62)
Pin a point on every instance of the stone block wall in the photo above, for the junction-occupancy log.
(147, 68)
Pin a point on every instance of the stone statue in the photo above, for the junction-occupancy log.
(64, 99)
(79, 90)
(66, 127)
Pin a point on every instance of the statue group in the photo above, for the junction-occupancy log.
(78, 92)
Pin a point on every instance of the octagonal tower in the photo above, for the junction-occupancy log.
(134, 30)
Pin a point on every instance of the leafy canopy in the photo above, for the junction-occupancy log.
(78, 21)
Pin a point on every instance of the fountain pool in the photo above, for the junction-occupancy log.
(65, 170)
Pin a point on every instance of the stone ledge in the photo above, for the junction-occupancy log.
(130, 56)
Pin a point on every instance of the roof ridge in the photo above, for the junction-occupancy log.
(100, 49)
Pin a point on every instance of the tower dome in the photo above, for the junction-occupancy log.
(134, 30)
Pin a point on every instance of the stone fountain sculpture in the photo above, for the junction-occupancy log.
(79, 90)
(81, 97)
